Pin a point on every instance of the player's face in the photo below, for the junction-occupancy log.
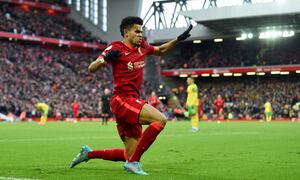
(189, 81)
(134, 35)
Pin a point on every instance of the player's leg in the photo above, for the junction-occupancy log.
(102, 115)
(157, 121)
(194, 118)
(130, 145)
(44, 116)
(269, 116)
(86, 153)
(195, 122)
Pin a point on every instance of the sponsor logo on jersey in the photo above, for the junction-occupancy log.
(130, 66)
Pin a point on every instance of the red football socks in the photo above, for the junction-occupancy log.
(108, 154)
(146, 140)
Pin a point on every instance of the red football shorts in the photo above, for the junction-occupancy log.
(127, 111)
(219, 110)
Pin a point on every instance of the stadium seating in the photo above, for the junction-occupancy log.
(245, 96)
(231, 53)
(52, 75)
(36, 22)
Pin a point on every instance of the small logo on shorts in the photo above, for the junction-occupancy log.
(138, 101)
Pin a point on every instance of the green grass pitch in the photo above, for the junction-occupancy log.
(235, 150)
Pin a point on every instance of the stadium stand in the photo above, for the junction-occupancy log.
(37, 22)
(53, 75)
(244, 97)
(232, 53)
(53, 2)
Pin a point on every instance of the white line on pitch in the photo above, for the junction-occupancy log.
(14, 178)
(116, 137)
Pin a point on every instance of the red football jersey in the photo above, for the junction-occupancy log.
(128, 69)
(219, 102)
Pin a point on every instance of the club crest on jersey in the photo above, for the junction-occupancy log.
(130, 66)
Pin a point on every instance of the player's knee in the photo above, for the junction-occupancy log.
(163, 120)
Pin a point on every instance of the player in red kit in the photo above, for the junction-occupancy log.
(219, 103)
(75, 109)
(127, 59)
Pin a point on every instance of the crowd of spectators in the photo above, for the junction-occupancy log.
(53, 2)
(31, 73)
(36, 22)
(245, 98)
(231, 53)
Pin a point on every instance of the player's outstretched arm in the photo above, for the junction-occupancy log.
(169, 45)
(102, 61)
(95, 65)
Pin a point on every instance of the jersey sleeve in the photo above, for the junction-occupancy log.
(111, 46)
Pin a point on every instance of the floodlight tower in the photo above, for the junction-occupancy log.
(247, 1)
(212, 3)
(157, 13)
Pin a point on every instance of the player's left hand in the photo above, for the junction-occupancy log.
(185, 34)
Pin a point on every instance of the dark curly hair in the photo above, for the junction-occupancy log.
(128, 22)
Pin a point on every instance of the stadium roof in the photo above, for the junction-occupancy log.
(249, 18)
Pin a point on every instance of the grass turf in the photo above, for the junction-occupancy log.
(236, 150)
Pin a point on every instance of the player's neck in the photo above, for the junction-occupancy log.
(128, 44)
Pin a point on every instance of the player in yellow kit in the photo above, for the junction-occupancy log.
(43, 108)
(268, 111)
(192, 103)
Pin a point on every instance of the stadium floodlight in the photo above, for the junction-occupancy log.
(197, 41)
(288, 33)
(276, 34)
(284, 73)
(215, 75)
(218, 40)
(227, 74)
(205, 75)
(162, 97)
(10, 39)
(239, 39)
(250, 35)
(161, 86)
(298, 71)
(262, 35)
(194, 75)
(285, 34)
(250, 73)
(275, 72)
(261, 73)
(183, 75)
(237, 74)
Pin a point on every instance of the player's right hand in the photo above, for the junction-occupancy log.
(112, 55)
